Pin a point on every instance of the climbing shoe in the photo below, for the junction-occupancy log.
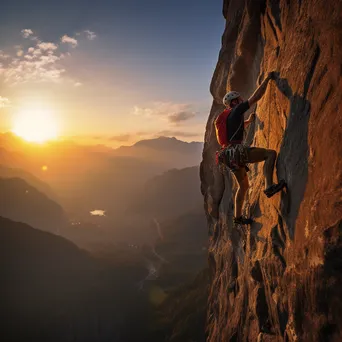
(242, 220)
(273, 189)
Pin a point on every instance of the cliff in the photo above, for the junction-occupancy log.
(281, 279)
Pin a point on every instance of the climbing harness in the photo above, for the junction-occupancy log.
(233, 156)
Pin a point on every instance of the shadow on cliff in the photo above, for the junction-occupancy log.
(292, 163)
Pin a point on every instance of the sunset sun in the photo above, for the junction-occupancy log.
(35, 124)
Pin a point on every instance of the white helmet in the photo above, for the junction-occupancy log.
(230, 96)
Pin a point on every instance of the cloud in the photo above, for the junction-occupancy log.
(26, 33)
(3, 55)
(4, 102)
(169, 133)
(90, 35)
(120, 138)
(47, 46)
(173, 112)
(36, 68)
(142, 111)
(181, 116)
(40, 63)
(143, 133)
(19, 50)
(69, 40)
(37, 52)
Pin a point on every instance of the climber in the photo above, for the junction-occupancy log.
(235, 155)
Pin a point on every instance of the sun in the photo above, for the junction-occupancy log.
(35, 124)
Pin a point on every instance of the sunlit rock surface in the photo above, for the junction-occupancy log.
(282, 280)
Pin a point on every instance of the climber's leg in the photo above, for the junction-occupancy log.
(256, 155)
(215, 194)
(242, 180)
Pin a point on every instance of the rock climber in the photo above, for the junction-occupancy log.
(229, 126)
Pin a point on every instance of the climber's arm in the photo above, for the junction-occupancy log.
(259, 93)
(249, 120)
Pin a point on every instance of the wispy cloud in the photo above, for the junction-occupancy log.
(4, 102)
(183, 134)
(173, 112)
(77, 84)
(181, 116)
(69, 40)
(90, 35)
(121, 137)
(26, 33)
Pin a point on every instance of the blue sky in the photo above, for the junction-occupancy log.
(125, 69)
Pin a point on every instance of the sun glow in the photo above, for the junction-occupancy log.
(35, 124)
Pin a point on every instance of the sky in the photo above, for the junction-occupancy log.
(109, 71)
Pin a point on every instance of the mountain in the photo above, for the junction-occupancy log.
(171, 152)
(53, 291)
(183, 243)
(169, 144)
(83, 178)
(88, 177)
(182, 315)
(13, 159)
(8, 172)
(22, 202)
(280, 280)
(47, 287)
(188, 231)
(169, 195)
(162, 198)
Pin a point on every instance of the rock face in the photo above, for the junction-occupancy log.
(281, 280)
